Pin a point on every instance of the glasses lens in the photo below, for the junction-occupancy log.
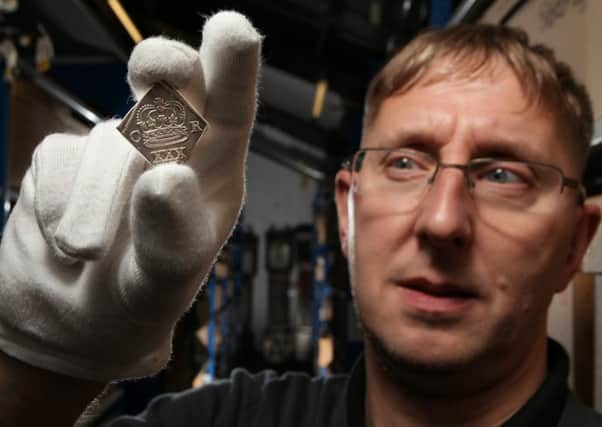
(501, 189)
(396, 177)
(515, 186)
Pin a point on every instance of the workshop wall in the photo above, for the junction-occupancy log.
(277, 197)
(571, 27)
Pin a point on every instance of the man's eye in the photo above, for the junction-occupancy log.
(403, 163)
(404, 167)
(502, 176)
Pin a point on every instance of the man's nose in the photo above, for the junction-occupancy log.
(444, 216)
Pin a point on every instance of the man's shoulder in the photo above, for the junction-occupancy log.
(306, 393)
(261, 398)
(577, 414)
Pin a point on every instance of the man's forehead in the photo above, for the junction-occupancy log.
(465, 69)
(475, 71)
(512, 124)
(491, 70)
(487, 94)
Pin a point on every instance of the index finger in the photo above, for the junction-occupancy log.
(230, 55)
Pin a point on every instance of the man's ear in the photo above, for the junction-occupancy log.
(342, 188)
(587, 225)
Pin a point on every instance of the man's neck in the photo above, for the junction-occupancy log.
(391, 403)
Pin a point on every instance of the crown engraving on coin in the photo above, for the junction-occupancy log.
(162, 126)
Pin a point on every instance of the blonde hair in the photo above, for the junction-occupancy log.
(468, 50)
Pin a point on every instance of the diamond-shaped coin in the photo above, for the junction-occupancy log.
(162, 126)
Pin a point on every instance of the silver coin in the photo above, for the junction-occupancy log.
(162, 126)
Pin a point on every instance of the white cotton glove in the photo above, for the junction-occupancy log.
(102, 254)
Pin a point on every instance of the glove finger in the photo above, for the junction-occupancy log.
(105, 177)
(168, 221)
(160, 59)
(173, 246)
(230, 54)
(176, 234)
(53, 169)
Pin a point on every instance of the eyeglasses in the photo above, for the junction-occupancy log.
(402, 176)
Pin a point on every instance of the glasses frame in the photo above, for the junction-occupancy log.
(566, 181)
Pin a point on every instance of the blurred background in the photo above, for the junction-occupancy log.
(279, 296)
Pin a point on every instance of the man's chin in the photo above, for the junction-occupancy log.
(424, 360)
(431, 374)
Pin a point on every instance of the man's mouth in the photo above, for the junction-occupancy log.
(438, 289)
(436, 297)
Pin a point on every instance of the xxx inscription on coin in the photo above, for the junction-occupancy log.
(162, 126)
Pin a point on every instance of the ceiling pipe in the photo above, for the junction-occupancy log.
(512, 11)
(295, 96)
(59, 93)
(469, 11)
(287, 157)
(286, 150)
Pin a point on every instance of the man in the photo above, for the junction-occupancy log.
(460, 225)
(461, 216)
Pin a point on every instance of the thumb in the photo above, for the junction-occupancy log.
(105, 175)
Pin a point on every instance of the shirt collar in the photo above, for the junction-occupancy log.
(546, 405)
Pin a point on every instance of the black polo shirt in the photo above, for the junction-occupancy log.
(294, 399)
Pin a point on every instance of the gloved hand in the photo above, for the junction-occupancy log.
(102, 254)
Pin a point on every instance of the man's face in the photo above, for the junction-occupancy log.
(444, 285)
